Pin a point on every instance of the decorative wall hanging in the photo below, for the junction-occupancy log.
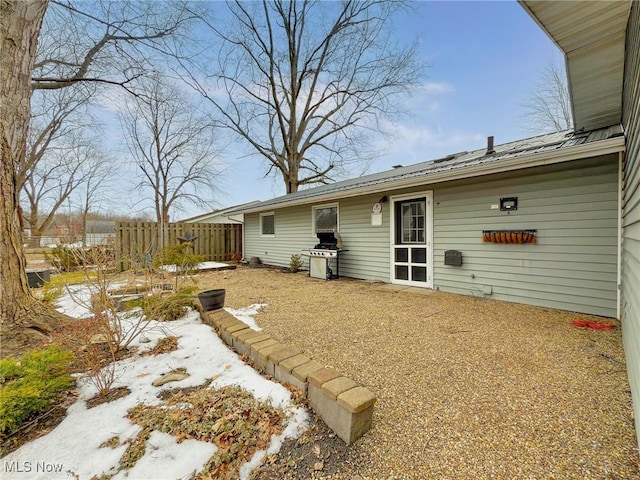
(509, 236)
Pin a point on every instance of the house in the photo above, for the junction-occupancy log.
(577, 194)
(397, 225)
(222, 215)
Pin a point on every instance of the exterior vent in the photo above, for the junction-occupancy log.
(444, 159)
(490, 149)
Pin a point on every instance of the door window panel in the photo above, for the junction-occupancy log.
(411, 216)
(402, 255)
(402, 272)
(418, 255)
(418, 274)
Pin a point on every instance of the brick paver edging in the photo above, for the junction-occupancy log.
(345, 406)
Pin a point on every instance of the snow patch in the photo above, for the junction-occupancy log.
(75, 442)
(246, 315)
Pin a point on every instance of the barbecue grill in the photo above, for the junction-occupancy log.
(324, 256)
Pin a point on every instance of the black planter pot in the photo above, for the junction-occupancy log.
(212, 299)
(37, 278)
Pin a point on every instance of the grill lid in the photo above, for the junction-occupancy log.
(326, 237)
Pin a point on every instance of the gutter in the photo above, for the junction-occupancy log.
(567, 154)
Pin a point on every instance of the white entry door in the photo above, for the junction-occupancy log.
(412, 240)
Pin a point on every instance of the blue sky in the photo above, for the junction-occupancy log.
(484, 57)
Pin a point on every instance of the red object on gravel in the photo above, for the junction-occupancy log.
(593, 325)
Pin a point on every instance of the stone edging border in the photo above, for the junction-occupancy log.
(345, 406)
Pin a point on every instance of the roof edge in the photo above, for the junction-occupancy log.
(568, 154)
(525, 6)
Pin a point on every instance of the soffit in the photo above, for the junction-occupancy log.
(592, 36)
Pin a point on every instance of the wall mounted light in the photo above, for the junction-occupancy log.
(508, 203)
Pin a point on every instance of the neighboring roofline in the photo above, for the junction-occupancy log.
(566, 154)
(225, 212)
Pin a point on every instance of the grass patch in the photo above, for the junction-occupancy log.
(31, 384)
(229, 417)
(57, 283)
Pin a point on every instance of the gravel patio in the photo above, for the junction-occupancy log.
(466, 387)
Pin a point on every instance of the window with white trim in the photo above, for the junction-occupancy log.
(268, 224)
(325, 217)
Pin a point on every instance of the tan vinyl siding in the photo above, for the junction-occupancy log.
(573, 264)
(630, 280)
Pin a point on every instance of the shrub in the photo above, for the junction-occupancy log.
(67, 258)
(170, 307)
(296, 264)
(64, 258)
(30, 384)
(94, 359)
(179, 256)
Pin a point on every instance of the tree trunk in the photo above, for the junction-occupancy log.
(23, 319)
(33, 224)
(291, 179)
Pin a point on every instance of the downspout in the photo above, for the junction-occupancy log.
(619, 265)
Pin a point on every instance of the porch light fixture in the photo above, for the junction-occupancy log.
(508, 203)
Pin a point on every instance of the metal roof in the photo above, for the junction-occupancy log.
(564, 145)
(592, 36)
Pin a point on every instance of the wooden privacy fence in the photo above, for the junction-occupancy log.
(137, 241)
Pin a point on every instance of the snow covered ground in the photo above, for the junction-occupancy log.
(201, 266)
(74, 445)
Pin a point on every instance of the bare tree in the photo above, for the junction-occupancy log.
(172, 145)
(54, 115)
(129, 35)
(98, 180)
(549, 106)
(305, 84)
(59, 173)
(107, 42)
(58, 119)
